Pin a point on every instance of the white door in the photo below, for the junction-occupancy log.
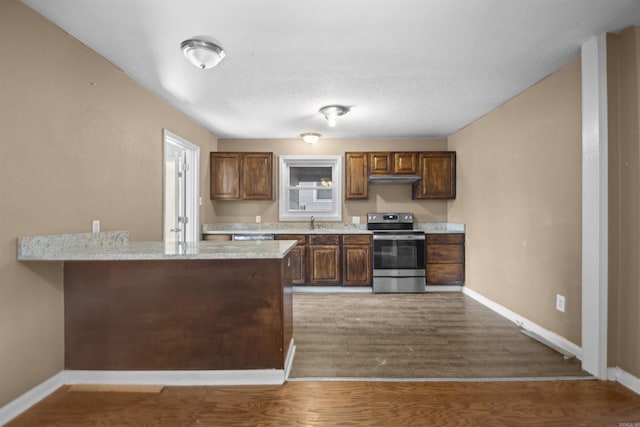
(181, 190)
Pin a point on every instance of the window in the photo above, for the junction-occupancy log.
(310, 186)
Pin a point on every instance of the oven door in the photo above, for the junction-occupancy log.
(399, 262)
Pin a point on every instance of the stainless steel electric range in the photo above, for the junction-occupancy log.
(398, 253)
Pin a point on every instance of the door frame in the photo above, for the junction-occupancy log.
(595, 206)
(192, 184)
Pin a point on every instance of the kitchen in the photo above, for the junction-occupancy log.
(87, 146)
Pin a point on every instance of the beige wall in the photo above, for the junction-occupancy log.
(623, 53)
(80, 141)
(519, 192)
(393, 198)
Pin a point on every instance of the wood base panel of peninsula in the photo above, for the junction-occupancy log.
(177, 314)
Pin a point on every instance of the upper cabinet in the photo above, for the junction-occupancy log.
(380, 163)
(387, 163)
(436, 171)
(256, 177)
(225, 176)
(356, 176)
(241, 176)
(405, 163)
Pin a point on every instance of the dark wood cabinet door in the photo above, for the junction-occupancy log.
(257, 176)
(449, 254)
(438, 172)
(445, 259)
(445, 274)
(297, 260)
(356, 265)
(225, 175)
(405, 163)
(380, 163)
(324, 264)
(356, 173)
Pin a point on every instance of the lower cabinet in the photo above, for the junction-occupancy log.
(356, 260)
(297, 257)
(323, 259)
(330, 259)
(445, 259)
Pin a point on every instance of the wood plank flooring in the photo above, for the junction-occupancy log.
(553, 403)
(433, 335)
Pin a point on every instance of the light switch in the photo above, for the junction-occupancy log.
(95, 226)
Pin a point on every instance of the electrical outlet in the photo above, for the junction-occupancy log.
(95, 226)
(258, 219)
(560, 302)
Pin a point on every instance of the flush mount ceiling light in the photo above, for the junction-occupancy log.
(310, 138)
(203, 54)
(331, 112)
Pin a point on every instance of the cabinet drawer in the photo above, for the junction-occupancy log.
(300, 238)
(324, 239)
(445, 274)
(356, 239)
(445, 238)
(445, 254)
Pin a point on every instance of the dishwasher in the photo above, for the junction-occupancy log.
(244, 237)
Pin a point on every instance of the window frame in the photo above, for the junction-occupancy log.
(288, 161)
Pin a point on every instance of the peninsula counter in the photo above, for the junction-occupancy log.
(143, 306)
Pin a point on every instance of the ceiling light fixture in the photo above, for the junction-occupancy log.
(331, 112)
(310, 138)
(203, 54)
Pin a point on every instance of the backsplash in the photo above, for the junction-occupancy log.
(436, 227)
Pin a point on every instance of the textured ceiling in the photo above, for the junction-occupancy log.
(406, 68)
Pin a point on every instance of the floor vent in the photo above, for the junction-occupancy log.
(543, 340)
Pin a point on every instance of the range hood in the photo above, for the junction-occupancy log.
(393, 179)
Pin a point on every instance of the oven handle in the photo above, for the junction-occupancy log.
(399, 237)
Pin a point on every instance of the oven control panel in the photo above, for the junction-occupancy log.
(389, 218)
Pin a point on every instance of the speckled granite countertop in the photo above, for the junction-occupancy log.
(321, 228)
(115, 246)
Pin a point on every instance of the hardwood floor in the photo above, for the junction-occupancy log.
(433, 335)
(472, 342)
(543, 403)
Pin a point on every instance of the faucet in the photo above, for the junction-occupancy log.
(311, 223)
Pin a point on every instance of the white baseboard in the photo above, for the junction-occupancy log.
(289, 360)
(444, 288)
(30, 398)
(553, 338)
(333, 289)
(623, 377)
(179, 378)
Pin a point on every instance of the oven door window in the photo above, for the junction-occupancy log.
(398, 254)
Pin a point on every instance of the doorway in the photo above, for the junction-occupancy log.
(181, 190)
